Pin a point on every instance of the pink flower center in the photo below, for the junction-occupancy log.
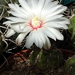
(36, 23)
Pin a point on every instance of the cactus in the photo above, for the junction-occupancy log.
(72, 30)
(47, 58)
(70, 66)
(55, 58)
(41, 59)
(33, 55)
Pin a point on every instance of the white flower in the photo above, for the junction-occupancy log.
(37, 21)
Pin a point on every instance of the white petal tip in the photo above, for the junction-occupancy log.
(20, 38)
(61, 38)
(18, 43)
(28, 47)
(4, 23)
(9, 33)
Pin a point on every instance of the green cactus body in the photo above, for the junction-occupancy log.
(70, 66)
(56, 58)
(72, 30)
(47, 58)
(33, 55)
(41, 60)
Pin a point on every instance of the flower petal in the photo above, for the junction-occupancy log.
(58, 35)
(50, 5)
(40, 37)
(34, 37)
(34, 4)
(40, 5)
(13, 7)
(22, 11)
(47, 2)
(15, 19)
(29, 40)
(10, 32)
(16, 9)
(20, 38)
(56, 10)
(48, 33)
(47, 44)
(52, 17)
(25, 5)
(56, 25)
(15, 27)
(49, 8)
(22, 27)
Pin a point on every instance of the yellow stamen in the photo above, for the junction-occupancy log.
(35, 22)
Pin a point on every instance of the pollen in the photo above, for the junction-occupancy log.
(36, 22)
